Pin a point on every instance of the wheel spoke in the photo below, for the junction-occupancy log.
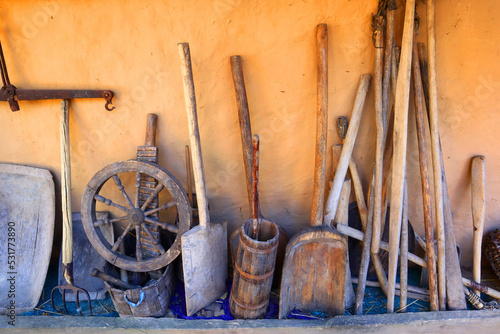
(118, 183)
(109, 202)
(138, 179)
(138, 244)
(151, 197)
(156, 242)
(99, 223)
(163, 207)
(166, 226)
(118, 242)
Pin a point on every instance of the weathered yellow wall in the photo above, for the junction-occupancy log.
(130, 47)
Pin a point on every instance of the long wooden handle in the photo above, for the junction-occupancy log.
(244, 120)
(437, 167)
(67, 244)
(321, 127)
(420, 111)
(478, 212)
(151, 130)
(380, 120)
(255, 190)
(400, 146)
(108, 278)
(194, 134)
(188, 174)
(345, 156)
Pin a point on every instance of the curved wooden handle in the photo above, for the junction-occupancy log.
(478, 212)
(151, 130)
(321, 127)
(255, 191)
(194, 134)
(244, 119)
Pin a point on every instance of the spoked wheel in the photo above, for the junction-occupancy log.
(133, 217)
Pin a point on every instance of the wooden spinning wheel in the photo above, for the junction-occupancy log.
(135, 217)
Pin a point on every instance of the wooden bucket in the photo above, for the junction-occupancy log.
(149, 301)
(253, 271)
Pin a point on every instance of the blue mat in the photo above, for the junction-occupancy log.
(374, 303)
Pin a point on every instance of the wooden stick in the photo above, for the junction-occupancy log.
(400, 145)
(380, 120)
(364, 214)
(454, 291)
(244, 120)
(188, 176)
(342, 217)
(479, 287)
(411, 294)
(255, 190)
(194, 134)
(321, 127)
(365, 254)
(478, 213)
(345, 157)
(403, 268)
(420, 111)
(358, 192)
(434, 126)
(67, 239)
(353, 233)
(388, 54)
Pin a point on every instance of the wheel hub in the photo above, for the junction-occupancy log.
(136, 217)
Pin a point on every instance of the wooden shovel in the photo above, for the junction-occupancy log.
(478, 213)
(315, 261)
(204, 247)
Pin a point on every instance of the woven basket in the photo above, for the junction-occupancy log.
(149, 301)
(492, 250)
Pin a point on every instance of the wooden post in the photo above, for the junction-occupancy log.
(67, 243)
(478, 213)
(400, 145)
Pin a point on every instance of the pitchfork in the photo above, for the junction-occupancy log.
(67, 242)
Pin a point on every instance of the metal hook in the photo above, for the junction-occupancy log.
(108, 96)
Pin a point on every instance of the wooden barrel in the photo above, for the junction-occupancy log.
(253, 271)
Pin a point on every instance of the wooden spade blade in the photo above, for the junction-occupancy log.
(204, 261)
(314, 272)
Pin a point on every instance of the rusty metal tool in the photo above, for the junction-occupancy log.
(12, 94)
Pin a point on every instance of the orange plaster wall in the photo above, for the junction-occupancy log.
(130, 48)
